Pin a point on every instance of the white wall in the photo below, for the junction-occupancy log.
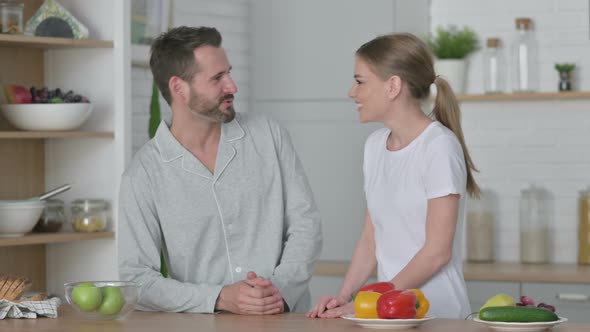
(542, 142)
(92, 166)
(230, 17)
(302, 67)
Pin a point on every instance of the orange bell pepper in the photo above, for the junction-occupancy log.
(422, 304)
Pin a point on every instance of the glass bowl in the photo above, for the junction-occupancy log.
(102, 300)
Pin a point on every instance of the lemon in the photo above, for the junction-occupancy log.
(499, 300)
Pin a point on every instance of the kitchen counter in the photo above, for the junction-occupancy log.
(68, 321)
(557, 273)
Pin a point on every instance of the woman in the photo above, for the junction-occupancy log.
(417, 173)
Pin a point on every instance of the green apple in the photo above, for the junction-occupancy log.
(113, 301)
(86, 296)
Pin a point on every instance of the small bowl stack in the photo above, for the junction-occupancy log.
(19, 217)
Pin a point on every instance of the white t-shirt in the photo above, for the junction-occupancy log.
(398, 185)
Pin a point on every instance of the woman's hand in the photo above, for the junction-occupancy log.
(338, 312)
(326, 304)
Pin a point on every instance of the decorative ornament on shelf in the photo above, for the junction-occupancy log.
(53, 20)
(451, 46)
(565, 75)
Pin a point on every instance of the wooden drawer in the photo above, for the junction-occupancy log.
(570, 300)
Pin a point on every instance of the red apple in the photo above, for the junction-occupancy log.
(16, 94)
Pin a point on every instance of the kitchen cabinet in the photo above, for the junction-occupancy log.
(91, 158)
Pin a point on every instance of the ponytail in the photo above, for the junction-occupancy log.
(446, 111)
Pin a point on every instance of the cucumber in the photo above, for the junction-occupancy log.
(517, 314)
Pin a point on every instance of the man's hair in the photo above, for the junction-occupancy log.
(172, 54)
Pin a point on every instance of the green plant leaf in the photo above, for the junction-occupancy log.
(452, 43)
(155, 116)
(565, 67)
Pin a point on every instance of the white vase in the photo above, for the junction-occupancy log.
(453, 70)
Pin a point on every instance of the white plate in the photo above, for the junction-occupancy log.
(378, 323)
(528, 327)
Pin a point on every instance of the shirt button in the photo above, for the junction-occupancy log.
(238, 269)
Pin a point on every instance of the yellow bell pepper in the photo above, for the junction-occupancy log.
(422, 304)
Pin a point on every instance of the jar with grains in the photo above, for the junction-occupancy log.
(11, 17)
(481, 228)
(89, 215)
(535, 218)
(584, 228)
(52, 218)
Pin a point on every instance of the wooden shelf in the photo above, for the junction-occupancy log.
(54, 134)
(45, 238)
(20, 41)
(525, 96)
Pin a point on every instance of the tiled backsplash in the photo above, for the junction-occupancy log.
(518, 143)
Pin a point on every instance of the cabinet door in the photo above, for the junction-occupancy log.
(480, 291)
(570, 300)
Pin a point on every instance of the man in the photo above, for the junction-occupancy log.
(222, 195)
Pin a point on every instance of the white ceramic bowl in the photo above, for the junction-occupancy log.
(19, 217)
(66, 116)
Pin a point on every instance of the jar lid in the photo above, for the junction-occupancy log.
(493, 42)
(89, 204)
(523, 23)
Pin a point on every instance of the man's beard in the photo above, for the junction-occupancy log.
(204, 108)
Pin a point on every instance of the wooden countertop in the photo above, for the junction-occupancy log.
(557, 273)
(68, 321)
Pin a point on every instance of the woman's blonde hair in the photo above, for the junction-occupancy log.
(407, 56)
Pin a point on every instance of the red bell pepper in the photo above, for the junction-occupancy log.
(397, 304)
(378, 287)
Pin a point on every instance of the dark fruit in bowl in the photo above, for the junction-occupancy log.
(16, 94)
(526, 300)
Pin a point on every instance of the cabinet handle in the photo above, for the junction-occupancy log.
(572, 297)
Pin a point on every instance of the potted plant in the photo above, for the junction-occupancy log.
(565, 75)
(450, 47)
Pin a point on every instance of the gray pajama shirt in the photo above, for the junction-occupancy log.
(255, 213)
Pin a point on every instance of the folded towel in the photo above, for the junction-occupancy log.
(29, 309)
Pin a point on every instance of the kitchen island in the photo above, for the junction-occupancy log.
(69, 321)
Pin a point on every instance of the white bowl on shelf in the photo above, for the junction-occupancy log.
(19, 217)
(50, 117)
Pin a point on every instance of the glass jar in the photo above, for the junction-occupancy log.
(480, 228)
(584, 228)
(89, 215)
(52, 218)
(11, 17)
(524, 55)
(535, 214)
(494, 67)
